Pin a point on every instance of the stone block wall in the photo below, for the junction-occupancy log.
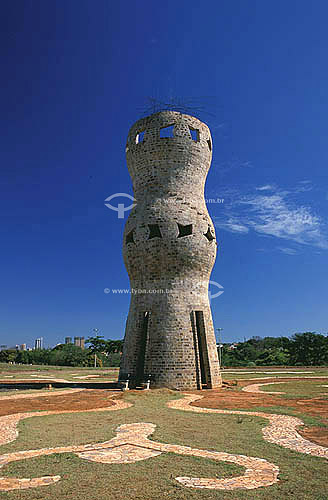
(169, 251)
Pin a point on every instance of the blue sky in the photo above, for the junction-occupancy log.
(77, 74)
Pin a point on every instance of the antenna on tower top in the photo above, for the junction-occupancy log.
(187, 105)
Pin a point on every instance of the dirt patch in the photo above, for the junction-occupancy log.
(232, 399)
(318, 435)
(87, 399)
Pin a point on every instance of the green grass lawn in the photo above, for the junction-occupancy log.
(32, 391)
(38, 372)
(35, 372)
(273, 372)
(300, 389)
(301, 477)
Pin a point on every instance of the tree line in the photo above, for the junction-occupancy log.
(100, 352)
(301, 349)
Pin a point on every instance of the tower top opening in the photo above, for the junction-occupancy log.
(168, 124)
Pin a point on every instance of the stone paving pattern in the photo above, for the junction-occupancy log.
(281, 430)
(255, 388)
(8, 423)
(132, 444)
(9, 432)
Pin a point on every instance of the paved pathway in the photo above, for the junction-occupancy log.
(255, 388)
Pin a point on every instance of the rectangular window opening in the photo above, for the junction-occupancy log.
(201, 344)
(203, 376)
(194, 134)
(166, 132)
(143, 343)
(154, 231)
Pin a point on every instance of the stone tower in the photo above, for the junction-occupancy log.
(169, 251)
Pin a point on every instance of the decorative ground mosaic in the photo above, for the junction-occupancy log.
(8, 423)
(281, 429)
(132, 444)
(9, 432)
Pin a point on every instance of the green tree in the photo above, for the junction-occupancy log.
(8, 355)
(308, 348)
(69, 355)
(99, 344)
(274, 356)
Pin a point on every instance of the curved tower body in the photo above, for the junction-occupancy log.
(169, 251)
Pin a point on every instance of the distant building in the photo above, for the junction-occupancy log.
(38, 343)
(68, 340)
(22, 347)
(79, 341)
